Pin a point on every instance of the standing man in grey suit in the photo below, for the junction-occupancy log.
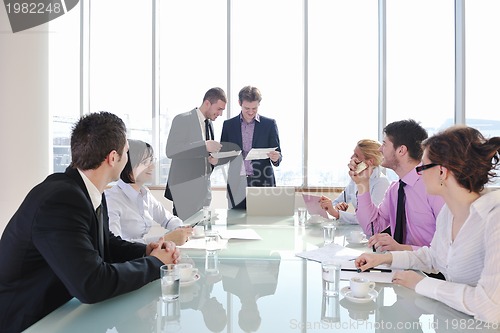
(189, 145)
(58, 246)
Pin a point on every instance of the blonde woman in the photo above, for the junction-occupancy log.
(367, 151)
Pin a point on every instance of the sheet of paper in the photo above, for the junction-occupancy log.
(239, 234)
(199, 243)
(313, 206)
(259, 153)
(224, 154)
(330, 252)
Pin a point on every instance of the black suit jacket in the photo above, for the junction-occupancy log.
(49, 254)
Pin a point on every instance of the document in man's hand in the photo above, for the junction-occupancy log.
(224, 154)
(259, 153)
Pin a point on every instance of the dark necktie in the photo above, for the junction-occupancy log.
(209, 134)
(100, 230)
(399, 233)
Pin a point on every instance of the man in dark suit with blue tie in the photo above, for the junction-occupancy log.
(58, 246)
(250, 130)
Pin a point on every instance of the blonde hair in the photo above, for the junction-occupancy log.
(370, 149)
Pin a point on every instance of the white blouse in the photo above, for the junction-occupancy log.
(131, 213)
(470, 263)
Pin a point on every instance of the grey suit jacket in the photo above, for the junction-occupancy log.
(189, 176)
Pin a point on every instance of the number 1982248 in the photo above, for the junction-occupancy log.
(33, 8)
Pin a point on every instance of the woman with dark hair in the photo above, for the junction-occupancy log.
(456, 165)
(132, 208)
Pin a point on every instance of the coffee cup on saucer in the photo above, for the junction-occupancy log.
(357, 236)
(361, 287)
(198, 231)
(187, 272)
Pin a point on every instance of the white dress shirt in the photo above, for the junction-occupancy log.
(378, 185)
(132, 213)
(470, 263)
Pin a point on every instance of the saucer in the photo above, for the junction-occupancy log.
(190, 282)
(350, 241)
(197, 236)
(346, 292)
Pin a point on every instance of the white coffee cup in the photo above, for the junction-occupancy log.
(360, 287)
(187, 272)
(198, 231)
(357, 236)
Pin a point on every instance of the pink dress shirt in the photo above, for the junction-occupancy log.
(421, 211)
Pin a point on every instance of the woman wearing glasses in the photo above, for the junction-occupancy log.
(457, 164)
(132, 209)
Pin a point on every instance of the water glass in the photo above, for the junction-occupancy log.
(207, 218)
(211, 262)
(302, 215)
(212, 240)
(331, 277)
(328, 234)
(170, 282)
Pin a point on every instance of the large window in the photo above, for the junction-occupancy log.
(192, 59)
(64, 83)
(342, 85)
(420, 62)
(329, 71)
(482, 66)
(266, 52)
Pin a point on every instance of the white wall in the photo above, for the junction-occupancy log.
(24, 114)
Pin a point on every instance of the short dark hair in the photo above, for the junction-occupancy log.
(215, 94)
(464, 151)
(138, 151)
(408, 133)
(249, 94)
(94, 136)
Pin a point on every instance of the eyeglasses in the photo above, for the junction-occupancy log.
(421, 168)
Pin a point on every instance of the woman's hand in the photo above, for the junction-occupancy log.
(408, 279)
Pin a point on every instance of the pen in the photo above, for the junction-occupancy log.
(195, 224)
(345, 200)
(373, 234)
(381, 270)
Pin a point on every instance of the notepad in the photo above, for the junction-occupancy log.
(313, 206)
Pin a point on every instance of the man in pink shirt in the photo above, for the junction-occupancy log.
(402, 152)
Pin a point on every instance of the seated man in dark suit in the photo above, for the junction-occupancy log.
(58, 245)
(250, 130)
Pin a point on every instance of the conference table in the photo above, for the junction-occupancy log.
(260, 285)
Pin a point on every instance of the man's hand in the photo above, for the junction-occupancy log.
(274, 155)
(166, 251)
(213, 146)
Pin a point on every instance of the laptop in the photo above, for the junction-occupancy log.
(313, 206)
(271, 201)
